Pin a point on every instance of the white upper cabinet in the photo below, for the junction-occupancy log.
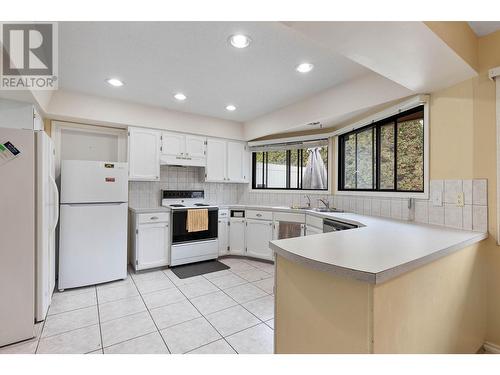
(196, 147)
(183, 149)
(172, 144)
(227, 161)
(237, 166)
(144, 154)
(224, 160)
(216, 169)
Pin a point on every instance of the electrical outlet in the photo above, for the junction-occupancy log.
(460, 199)
(437, 198)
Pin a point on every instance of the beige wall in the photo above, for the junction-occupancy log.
(463, 146)
(463, 134)
(88, 109)
(437, 308)
(485, 166)
(318, 312)
(451, 132)
(460, 37)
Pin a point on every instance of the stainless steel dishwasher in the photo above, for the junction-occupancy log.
(331, 225)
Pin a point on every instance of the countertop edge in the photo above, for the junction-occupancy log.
(386, 275)
(379, 277)
(145, 210)
(326, 267)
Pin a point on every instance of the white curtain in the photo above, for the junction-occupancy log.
(315, 174)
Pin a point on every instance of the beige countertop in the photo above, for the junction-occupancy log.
(147, 210)
(380, 249)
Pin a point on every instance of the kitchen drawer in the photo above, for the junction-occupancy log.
(154, 217)
(314, 221)
(291, 217)
(223, 213)
(259, 215)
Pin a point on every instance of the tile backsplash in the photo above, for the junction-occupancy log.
(473, 215)
(147, 193)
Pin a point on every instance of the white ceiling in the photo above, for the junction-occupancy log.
(158, 59)
(482, 28)
(408, 53)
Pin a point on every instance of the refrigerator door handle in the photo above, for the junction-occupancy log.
(93, 204)
(56, 200)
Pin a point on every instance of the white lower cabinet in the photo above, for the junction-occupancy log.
(259, 233)
(237, 236)
(150, 240)
(312, 230)
(223, 236)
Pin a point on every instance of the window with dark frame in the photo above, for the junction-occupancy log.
(287, 169)
(387, 155)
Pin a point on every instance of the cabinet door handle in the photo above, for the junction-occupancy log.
(258, 215)
(153, 218)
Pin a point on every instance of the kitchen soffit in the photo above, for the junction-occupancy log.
(158, 59)
(482, 28)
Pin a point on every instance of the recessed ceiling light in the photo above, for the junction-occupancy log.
(239, 40)
(114, 82)
(230, 108)
(180, 96)
(304, 67)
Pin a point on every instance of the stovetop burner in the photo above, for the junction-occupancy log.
(201, 205)
(177, 205)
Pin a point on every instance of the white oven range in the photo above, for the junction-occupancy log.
(190, 247)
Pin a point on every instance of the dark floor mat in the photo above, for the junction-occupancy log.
(195, 269)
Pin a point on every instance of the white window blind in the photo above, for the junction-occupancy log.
(290, 145)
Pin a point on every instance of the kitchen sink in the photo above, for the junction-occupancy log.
(317, 209)
(327, 209)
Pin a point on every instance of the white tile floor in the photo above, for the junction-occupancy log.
(224, 312)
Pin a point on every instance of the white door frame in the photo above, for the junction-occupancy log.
(494, 75)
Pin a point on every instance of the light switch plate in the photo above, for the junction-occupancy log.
(437, 198)
(460, 199)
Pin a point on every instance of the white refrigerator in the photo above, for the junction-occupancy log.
(93, 223)
(28, 218)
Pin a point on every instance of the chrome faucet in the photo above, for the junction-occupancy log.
(308, 200)
(326, 203)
